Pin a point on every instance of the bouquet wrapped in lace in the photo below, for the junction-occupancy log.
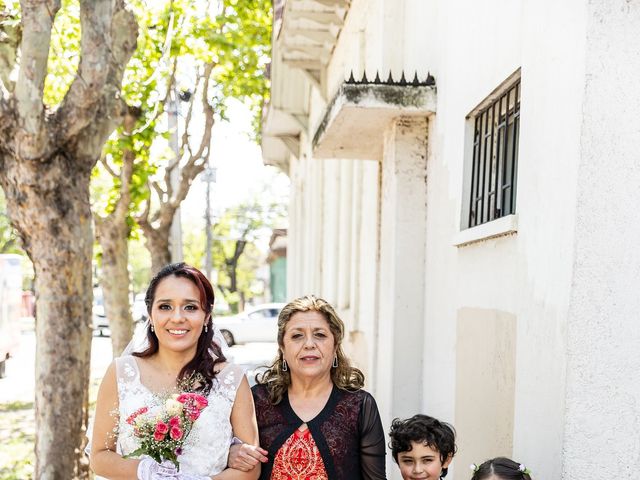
(162, 433)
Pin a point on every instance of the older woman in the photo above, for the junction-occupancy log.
(314, 419)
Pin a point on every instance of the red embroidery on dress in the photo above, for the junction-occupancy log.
(299, 459)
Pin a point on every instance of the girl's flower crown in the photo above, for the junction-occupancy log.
(474, 468)
(524, 469)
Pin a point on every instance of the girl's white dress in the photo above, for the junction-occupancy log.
(206, 448)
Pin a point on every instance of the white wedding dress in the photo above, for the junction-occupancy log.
(206, 448)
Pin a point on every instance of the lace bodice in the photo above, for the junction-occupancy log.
(207, 446)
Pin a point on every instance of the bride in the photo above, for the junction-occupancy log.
(179, 344)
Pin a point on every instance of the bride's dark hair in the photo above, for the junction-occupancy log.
(202, 362)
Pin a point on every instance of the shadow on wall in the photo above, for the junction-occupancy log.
(485, 384)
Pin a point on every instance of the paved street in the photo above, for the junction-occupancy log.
(19, 383)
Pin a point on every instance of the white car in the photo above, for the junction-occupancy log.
(100, 321)
(139, 310)
(256, 324)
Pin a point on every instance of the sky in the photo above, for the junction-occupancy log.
(240, 172)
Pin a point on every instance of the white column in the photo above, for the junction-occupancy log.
(365, 243)
(295, 233)
(345, 252)
(328, 229)
(401, 277)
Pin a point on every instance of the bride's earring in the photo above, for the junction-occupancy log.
(206, 327)
(152, 328)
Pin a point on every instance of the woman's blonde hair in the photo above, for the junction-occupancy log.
(344, 376)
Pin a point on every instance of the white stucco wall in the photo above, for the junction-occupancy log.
(564, 283)
(528, 274)
(603, 391)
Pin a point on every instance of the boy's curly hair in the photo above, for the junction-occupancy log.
(426, 430)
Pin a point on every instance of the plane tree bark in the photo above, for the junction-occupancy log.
(46, 157)
(112, 232)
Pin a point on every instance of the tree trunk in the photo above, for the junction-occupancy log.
(232, 271)
(51, 210)
(113, 234)
(46, 157)
(157, 242)
(114, 281)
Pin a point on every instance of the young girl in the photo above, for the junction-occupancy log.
(500, 468)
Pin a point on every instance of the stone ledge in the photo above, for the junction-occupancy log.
(355, 120)
(497, 228)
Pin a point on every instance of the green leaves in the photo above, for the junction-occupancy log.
(176, 39)
(64, 53)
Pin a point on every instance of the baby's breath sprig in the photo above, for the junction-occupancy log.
(193, 382)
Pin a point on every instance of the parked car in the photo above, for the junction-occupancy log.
(256, 324)
(10, 306)
(100, 321)
(139, 310)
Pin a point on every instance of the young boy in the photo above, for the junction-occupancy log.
(422, 446)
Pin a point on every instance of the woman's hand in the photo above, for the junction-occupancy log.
(149, 469)
(245, 457)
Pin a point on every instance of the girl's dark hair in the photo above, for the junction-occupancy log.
(202, 363)
(426, 430)
(503, 468)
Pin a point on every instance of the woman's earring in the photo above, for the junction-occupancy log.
(152, 328)
(285, 367)
(335, 361)
(206, 327)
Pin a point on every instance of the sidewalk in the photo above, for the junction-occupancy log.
(19, 383)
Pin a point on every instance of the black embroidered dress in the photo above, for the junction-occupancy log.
(348, 433)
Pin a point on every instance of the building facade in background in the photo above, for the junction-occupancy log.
(277, 260)
(464, 188)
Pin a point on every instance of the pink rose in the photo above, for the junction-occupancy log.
(174, 422)
(131, 418)
(162, 428)
(201, 402)
(184, 397)
(158, 436)
(176, 433)
(193, 414)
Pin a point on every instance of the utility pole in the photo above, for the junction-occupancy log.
(175, 236)
(208, 176)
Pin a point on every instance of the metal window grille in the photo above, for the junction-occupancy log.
(495, 158)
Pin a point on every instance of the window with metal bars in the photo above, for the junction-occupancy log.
(496, 132)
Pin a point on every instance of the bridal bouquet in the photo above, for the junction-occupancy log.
(162, 433)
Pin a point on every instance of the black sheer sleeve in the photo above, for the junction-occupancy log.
(372, 441)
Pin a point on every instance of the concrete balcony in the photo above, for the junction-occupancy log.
(307, 34)
(357, 117)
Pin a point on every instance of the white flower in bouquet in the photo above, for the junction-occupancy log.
(173, 407)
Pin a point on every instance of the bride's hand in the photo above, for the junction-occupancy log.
(245, 457)
(149, 469)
